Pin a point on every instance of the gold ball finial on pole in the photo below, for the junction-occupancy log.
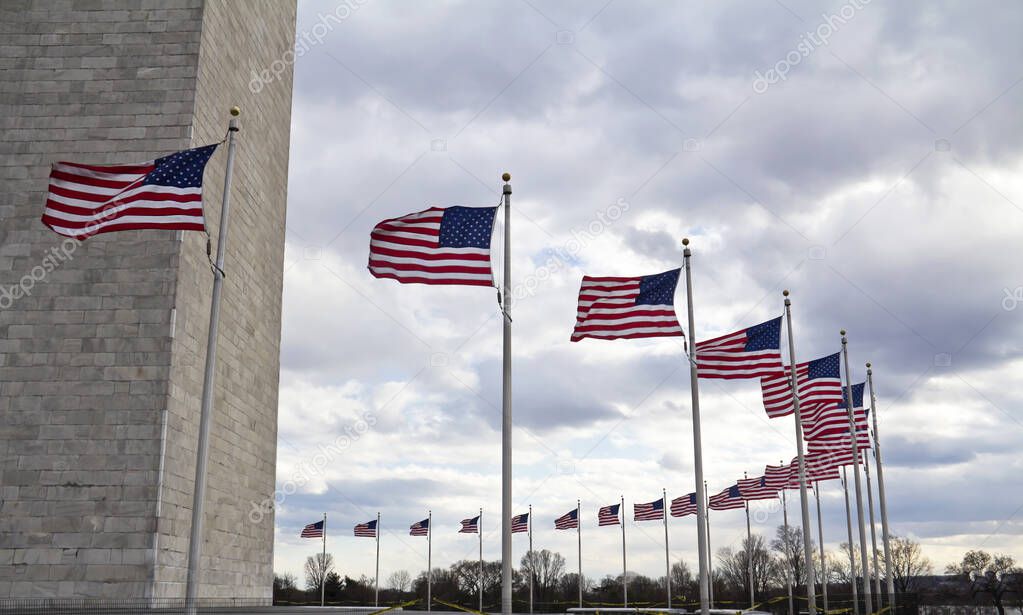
(685, 241)
(868, 364)
(506, 176)
(236, 111)
(842, 332)
(785, 293)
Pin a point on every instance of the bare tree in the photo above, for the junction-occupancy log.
(789, 547)
(988, 574)
(546, 568)
(400, 580)
(317, 567)
(734, 565)
(682, 581)
(908, 562)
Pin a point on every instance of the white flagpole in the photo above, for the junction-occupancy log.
(880, 494)
(867, 602)
(579, 539)
(532, 562)
(323, 582)
(429, 561)
(376, 578)
(820, 538)
(852, 557)
(873, 530)
(203, 448)
(749, 554)
(625, 570)
(710, 569)
(506, 421)
(788, 569)
(667, 558)
(811, 598)
(702, 539)
(480, 528)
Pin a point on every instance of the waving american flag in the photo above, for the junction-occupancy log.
(520, 523)
(684, 505)
(819, 383)
(470, 526)
(84, 199)
(608, 515)
(625, 308)
(420, 528)
(727, 499)
(567, 521)
(756, 489)
(367, 529)
(435, 246)
(754, 352)
(649, 511)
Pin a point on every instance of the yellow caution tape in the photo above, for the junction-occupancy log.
(397, 606)
(457, 606)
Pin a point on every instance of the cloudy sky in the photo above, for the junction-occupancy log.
(865, 156)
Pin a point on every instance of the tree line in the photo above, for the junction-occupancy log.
(979, 578)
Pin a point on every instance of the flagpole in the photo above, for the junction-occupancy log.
(203, 448)
(579, 538)
(667, 558)
(811, 598)
(749, 554)
(480, 528)
(532, 572)
(506, 421)
(867, 602)
(429, 561)
(323, 583)
(710, 570)
(625, 571)
(376, 580)
(880, 494)
(702, 539)
(852, 557)
(873, 530)
(820, 538)
(788, 567)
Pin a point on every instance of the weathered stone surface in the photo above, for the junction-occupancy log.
(102, 355)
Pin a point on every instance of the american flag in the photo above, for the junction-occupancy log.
(420, 528)
(830, 453)
(756, 489)
(470, 526)
(608, 515)
(831, 422)
(649, 511)
(776, 477)
(748, 353)
(625, 308)
(567, 521)
(367, 529)
(520, 523)
(313, 530)
(166, 193)
(727, 499)
(684, 505)
(824, 467)
(436, 246)
(819, 382)
(817, 469)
